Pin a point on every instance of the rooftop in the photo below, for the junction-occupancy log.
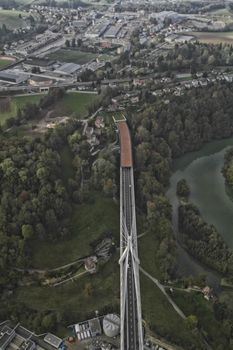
(69, 68)
(11, 75)
(53, 340)
(39, 62)
(94, 325)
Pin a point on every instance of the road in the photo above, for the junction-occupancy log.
(131, 308)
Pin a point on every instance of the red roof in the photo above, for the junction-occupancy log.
(126, 147)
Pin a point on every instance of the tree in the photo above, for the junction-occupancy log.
(79, 42)
(182, 189)
(27, 231)
(191, 322)
(73, 42)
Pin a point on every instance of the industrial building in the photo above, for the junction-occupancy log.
(88, 329)
(20, 338)
(97, 30)
(40, 42)
(12, 77)
(112, 31)
(68, 69)
(42, 64)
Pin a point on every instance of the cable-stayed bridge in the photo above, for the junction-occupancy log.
(131, 317)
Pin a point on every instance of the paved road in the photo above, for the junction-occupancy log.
(131, 309)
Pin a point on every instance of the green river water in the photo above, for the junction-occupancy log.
(202, 170)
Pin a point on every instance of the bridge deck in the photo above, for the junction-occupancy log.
(126, 148)
(131, 325)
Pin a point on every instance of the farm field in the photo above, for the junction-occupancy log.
(11, 18)
(213, 37)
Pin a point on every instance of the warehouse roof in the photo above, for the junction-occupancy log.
(7, 74)
(69, 68)
(112, 31)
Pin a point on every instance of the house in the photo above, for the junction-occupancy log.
(99, 122)
(139, 82)
(207, 292)
(89, 132)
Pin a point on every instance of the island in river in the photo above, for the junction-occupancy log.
(203, 172)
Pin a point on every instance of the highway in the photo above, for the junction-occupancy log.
(131, 319)
(131, 312)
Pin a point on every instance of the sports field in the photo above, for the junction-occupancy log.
(74, 56)
(4, 63)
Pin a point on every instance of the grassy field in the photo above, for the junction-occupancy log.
(11, 18)
(71, 298)
(75, 103)
(84, 230)
(213, 37)
(4, 63)
(148, 247)
(161, 317)
(18, 102)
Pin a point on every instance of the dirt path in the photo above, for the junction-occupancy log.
(161, 287)
(70, 279)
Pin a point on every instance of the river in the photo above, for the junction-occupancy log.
(202, 170)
